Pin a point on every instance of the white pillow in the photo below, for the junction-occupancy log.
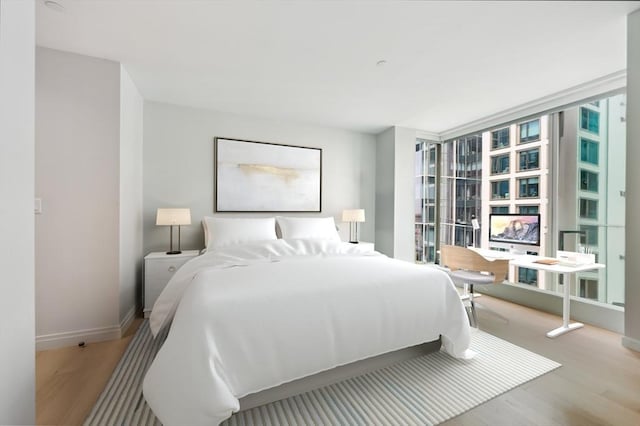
(322, 228)
(221, 232)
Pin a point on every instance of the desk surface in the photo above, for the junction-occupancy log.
(528, 261)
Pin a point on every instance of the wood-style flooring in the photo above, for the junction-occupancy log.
(69, 380)
(598, 384)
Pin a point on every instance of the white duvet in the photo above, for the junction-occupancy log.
(254, 316)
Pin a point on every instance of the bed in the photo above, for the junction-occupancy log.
(253, 315)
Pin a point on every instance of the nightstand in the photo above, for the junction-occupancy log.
(159, 267)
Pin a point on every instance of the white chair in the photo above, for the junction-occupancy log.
(465, 266)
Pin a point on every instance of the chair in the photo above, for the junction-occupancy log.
(466, 266)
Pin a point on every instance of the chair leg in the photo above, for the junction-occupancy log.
(474, 312)
(473, 319)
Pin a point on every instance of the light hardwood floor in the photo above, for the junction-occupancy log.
(598, 384)
(69, 380)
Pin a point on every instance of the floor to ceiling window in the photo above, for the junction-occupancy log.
(426, 199)
(460, 189)
(591, 185)
(512, 169)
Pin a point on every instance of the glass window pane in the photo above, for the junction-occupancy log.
(589, 289)
(589, 120)
(528, 276)
(588, 208)
(499, 189)
(528, 209)
(500, 164)
(500, 138)
(528, 187)
(589, 151)
(591, 234)
(588, 181)
(530, 131)
(529, 159)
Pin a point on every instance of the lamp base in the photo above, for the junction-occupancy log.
(354, 242)
(174, 252)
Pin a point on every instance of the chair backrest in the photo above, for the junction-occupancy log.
(454, 258)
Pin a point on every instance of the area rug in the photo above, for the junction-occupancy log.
(426, 390)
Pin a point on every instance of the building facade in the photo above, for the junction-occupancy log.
(591, 195)
(516, 172)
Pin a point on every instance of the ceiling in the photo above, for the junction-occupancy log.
(448, 63)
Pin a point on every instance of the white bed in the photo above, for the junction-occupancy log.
(249, 317)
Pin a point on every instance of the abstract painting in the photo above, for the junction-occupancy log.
(266, 177)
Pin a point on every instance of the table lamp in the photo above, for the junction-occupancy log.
(354, 217)
(171, 218)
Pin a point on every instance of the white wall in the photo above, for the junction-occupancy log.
(179, 170)
(77, 176)
(385, 186)
(405, 181)
(395, 186)
(17, 356)
(131, 117)
(632, 270)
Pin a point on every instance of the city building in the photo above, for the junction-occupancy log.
(516, 170)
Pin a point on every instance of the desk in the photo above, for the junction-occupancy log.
(569, 272)
(495, 254)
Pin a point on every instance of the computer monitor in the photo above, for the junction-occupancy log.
(518, 232)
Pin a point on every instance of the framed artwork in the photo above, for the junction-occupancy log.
(266, 177)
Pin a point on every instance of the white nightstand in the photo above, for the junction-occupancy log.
(159, 267)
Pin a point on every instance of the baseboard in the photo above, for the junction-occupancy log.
(629, 343)
(72, 338)
(127, 320)
(589, 312)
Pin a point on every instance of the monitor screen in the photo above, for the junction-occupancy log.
(515, 228)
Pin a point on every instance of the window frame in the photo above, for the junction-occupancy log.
(537, 207)
(580, 210)
(508, 145)
(494, 211)
(495, 157)
(527, 140)
(498, 181)
(527, 151)
(581, 180)
(519, 187)
(583, 153)
(589, 111)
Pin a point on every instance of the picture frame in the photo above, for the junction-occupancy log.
(252, 177)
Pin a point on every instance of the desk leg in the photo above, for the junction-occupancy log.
(566, 307)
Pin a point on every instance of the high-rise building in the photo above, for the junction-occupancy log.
(448, 190)
(591, 193)
(515, 173)
(460, 189)
(425, 200)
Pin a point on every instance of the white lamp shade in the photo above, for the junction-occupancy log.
(355, 215)
(173, 217)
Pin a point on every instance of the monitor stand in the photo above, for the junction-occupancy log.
(517, 251)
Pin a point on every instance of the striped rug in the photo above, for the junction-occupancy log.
(426, 390)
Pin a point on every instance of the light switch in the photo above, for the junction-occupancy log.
(37, 206)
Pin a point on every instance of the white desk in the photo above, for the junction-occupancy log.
(569, 272)
(495, 254)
